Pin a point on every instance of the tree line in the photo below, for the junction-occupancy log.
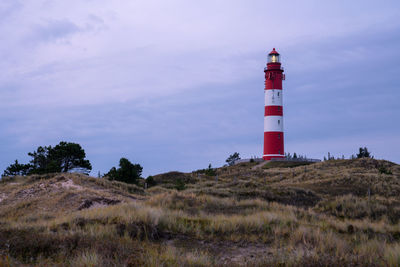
(362, 153)
(64, 157)
(70, 157)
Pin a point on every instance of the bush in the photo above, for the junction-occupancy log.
(150, 181)
(210, 171)
(364, 153)
(383, 170)
(17, 169)
(180, 185)
(127, 172)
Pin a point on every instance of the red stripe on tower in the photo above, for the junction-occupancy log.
(273, 116)
(273, 111)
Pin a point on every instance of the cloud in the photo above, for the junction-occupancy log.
(8, 8)
(53, 30)
(181, 83)
(127, 50)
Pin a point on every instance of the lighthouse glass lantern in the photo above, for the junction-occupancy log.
(273, 57)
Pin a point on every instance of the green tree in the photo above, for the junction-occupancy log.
(150, 181)
(68, 157)
(41, 162)
(363, 153)
(17, 169)
(232, 158)
(64, 157)
(127, 172)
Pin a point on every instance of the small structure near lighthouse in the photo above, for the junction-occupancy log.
(273, 115)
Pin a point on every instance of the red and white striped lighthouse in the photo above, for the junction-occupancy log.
(273, 116)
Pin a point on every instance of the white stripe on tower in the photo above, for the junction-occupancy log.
(273, 97)
(273, 124)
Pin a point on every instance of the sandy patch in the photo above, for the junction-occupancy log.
(258, 166)
(28, 193)
(70, 184)
(97, 205)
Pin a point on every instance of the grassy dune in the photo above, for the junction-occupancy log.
(333, 213)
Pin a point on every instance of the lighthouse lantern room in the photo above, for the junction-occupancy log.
(273, 116)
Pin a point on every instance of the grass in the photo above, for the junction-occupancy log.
(249, 217)
(285, 164)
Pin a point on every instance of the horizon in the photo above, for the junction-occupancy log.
(177, 86)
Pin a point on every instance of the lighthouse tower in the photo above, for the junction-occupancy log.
(273, 116)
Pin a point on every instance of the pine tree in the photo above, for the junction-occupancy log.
(127, 172)
(232, 158)
(363, 153)
(64, 157)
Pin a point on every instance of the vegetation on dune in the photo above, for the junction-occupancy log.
(64, 157)
(285, 164)
(232, 158)
(333, 213)
(363, 153)
(127, 172)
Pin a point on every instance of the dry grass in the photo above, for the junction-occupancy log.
(245, 217)
(86, 259)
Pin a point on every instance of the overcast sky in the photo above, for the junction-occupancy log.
(176, 85)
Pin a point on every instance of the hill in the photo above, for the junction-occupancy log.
(331, 213)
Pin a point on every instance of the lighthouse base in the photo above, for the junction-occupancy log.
(270, 157)
(273, 145)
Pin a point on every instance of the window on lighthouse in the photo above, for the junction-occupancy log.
(273, 58)
(279, 121)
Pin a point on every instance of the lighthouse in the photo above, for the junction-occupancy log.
(273, 115)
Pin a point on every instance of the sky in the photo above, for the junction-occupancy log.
(176, 85)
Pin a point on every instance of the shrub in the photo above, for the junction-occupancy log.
(383, 170)
(364, 153)
(180, 184)
(150, 181)
(127, 172)
(210, 171)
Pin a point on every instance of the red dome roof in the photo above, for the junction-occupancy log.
(273, 52)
